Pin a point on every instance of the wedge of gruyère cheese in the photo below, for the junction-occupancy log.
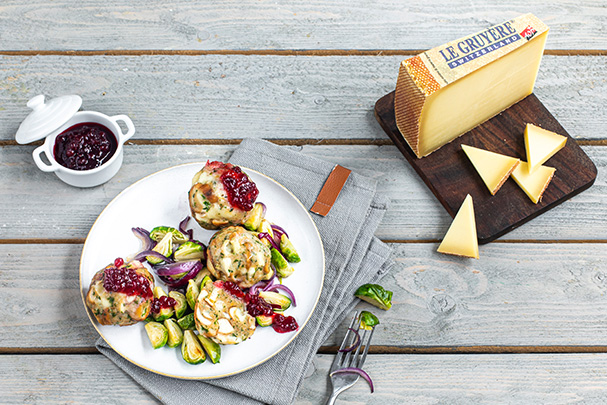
(533, 183)
(460, 239)
(448, 90)
(494, 168)
(541, 145)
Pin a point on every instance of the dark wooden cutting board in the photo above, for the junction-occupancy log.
(451, 176)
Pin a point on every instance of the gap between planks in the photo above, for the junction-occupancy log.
(284, 142)
(464, 350)
(275, 52)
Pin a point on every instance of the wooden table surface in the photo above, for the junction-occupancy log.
(527, 323)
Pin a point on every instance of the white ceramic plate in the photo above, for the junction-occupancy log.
(161, 199)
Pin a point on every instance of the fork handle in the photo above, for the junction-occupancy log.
(332, 398)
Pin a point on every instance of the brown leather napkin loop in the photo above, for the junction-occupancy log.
(330, 190)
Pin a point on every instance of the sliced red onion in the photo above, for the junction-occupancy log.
(181, 282)
(253, 289)
(183, 230)
(266, 236)
(353, 345)
(270, 282)
(142, 255)
(144, 236)
(285, 289)
(174, 269)
(280, 230)
(263, 212)
(355, 370)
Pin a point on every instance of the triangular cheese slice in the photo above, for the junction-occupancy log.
(493, 168)
(461, 239)
(541, 145)
(533, 184)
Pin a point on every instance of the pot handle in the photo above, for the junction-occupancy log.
(129, 124)
(41, 165)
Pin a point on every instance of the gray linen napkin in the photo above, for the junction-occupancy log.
(353, 256)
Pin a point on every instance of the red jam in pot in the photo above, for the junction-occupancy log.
(127, 281)
(163, 302)
(84, 146)
(242, 192)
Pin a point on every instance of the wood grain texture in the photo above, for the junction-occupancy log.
(249, 24)
(38, 205)
(450, 175)
(277, 97)
(514, 295)
(398, 379)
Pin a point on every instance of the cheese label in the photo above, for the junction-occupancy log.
(447, 63)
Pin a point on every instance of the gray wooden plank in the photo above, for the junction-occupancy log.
(514, 295)
(54, 210)
(249, 24)
(411, 379)
(278, 97)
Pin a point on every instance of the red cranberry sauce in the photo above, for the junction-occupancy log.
(127, 281)
(284, 324)
(84, 146)
(163, 302)
(242, 192)
(257, 306)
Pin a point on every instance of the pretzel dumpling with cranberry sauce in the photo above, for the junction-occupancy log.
(237, 255)
(221, 195)
(121, 294)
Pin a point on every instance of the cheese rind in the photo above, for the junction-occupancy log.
(541, 145)
(533, 184)
(448, 90)
(494, 168)
(461, 239)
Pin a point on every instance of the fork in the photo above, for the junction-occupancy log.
(341, 382)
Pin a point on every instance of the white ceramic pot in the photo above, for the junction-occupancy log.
(92, 177)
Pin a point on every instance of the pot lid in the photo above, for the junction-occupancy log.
(46, 117)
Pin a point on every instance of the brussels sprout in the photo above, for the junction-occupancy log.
(189, 251)
(282, 266)
(181, 306)
(205, 280)
(202, 274)
(266, 227)
(368, 320)
(254, 221)
(212, 349)
(157, 334)
(264, 320)
(174, 331)
(164, 247)
(187, 322)
(158, 233)
(164, 313)
(275, 298)
(191, 349)
(376, 295)
(191, 293)
(288, 250)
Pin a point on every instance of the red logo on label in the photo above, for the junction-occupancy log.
(528, 32)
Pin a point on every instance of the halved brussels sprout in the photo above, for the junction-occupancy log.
(288, 250)
(283, 269)
(187, 322)
(191, 293)
(164, 313)
(181, 306)
(212, 348)
(266, 227)
(158, 233)
(368, 320)
(376, 295)
(264, 320)
(191, 349)
(254, 221)
(164, 247)
(174, 331)
(157, 334)
(190, 250)
(275, 298)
